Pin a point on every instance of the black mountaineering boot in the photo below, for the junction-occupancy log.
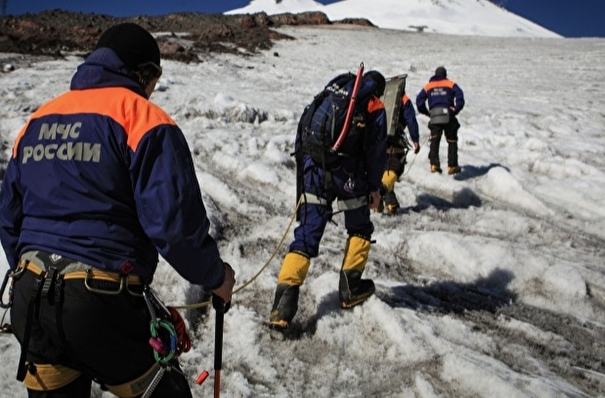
(453, 170)
(284, 306)
(391, 203)
(435, 168)
(353, 290)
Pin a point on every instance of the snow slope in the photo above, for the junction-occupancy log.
(460, 17)
(489, 284)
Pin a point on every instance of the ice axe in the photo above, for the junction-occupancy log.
(219, 307)
(350, 109)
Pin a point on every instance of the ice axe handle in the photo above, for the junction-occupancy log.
(217, 301)
(219, 307)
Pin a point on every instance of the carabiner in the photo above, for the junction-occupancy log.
(89, 277)
(162, 354)
(150, 307)
(9, 274)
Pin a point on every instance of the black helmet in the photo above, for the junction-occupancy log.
(440, 71)
(379, 79)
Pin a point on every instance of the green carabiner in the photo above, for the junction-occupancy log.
(162, 354)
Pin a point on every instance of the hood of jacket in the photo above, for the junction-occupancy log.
(103, 68)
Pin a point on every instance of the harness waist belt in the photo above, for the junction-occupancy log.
(91, 273)
(393, 150)
(342, 204)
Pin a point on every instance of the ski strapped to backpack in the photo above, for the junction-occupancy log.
(392, 100)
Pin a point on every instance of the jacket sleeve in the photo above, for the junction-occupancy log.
(409, 115)
(11, 214)
(459, 97)
(170, 206)
(421, 102)
(376, 145)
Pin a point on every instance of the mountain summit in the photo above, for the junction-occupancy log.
(454, 17)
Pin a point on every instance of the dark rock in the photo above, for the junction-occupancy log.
(182, 36)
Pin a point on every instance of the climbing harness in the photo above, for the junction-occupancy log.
(51, 271)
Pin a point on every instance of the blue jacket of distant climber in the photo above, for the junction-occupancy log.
(408, 118)
(440, 92)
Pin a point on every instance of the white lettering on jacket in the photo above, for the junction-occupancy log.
(72, 150)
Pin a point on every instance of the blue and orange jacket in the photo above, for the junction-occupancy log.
(103, 176)
(407, 118)
(440, 93)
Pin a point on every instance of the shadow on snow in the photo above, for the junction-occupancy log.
(486, 294)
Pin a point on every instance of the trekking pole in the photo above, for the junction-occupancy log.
(219, 307)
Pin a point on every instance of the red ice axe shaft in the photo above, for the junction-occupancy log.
(349, 115)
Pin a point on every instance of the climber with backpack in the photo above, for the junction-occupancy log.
(340, 151)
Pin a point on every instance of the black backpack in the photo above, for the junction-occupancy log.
(322, 121)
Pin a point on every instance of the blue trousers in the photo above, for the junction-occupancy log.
(341, 183)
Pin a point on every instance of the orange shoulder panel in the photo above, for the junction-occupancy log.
(375, 104)
(16, 144)
(439, 83)
(405, 99)
(118, 103)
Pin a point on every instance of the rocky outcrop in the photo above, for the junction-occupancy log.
(181, 36)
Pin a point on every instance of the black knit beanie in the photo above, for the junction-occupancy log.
(132, 43)
(440, 71)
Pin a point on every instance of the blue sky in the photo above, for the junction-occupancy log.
(582, 18)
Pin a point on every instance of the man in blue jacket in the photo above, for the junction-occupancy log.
(354, 181)
(100, 182)
(397, 147)
(445, 100)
